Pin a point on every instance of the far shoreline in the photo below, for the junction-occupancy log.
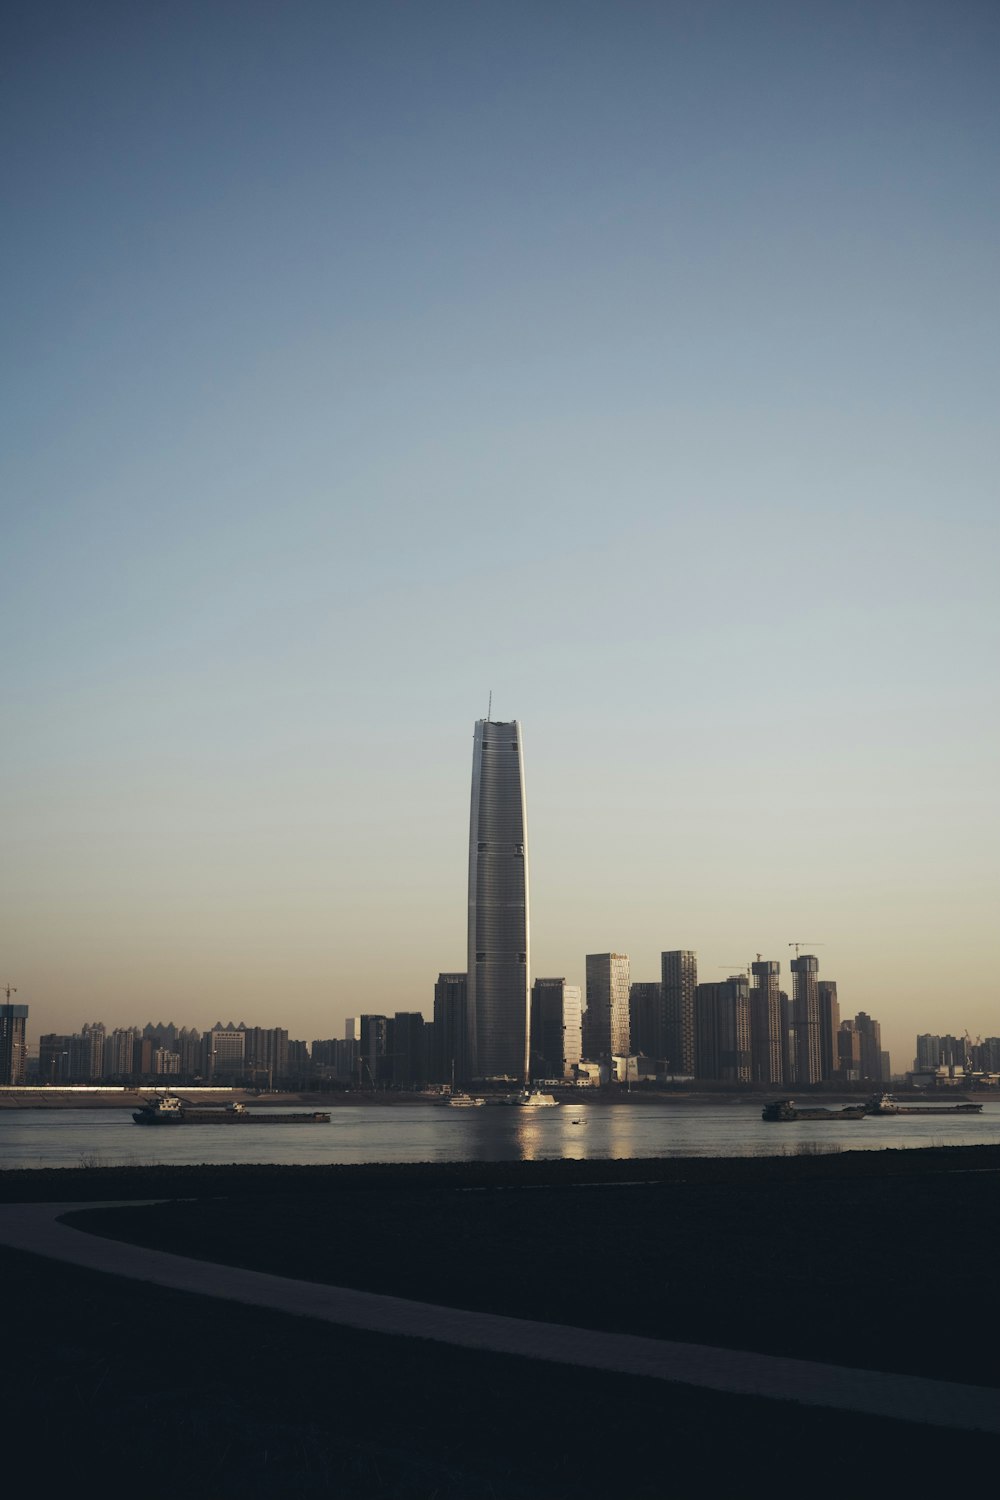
(22, 1097)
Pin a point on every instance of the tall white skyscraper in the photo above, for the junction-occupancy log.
(498, 992)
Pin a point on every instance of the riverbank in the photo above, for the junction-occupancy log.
(837, 1258)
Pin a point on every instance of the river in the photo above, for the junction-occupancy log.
(402, 1133)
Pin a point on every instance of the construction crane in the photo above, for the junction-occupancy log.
(797, 946)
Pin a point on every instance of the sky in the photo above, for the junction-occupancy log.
(634, 362)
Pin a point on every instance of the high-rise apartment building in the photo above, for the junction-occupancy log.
(722, 1030)
(373, 1056)
(266, 1054)
(848, 1053)
(645, 1010)
(766, 1040)
(119, 1052)
(89, 1060)
(498, 968)
(555, 1028)
(606, 1023)
(805, 1018)
(929, 1054)
(870, 1043)
(54, 1058)
(829, 1025)
(13, 1047)
(679, 977)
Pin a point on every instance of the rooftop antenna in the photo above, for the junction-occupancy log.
(489, 711)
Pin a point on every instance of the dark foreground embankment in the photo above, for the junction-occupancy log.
(89, 1184)
(860, 1259)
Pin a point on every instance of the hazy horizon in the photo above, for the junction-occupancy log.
(634, 362)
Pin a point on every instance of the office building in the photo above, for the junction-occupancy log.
(451, 996)
(498, 1010)
(406, 1044)
(556, 1043)
(226, 1052)
(606, 1023)
(679, 977)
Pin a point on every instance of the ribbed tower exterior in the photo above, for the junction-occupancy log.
(499, 1001)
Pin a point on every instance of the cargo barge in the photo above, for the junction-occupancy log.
(881, 1105)
(168, 1109)
(787, 1109)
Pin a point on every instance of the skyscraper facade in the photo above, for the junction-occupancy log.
(645, 1009)
(606, 1023)
(829, 1025)
(499, 927)
(555, 1027)
(767, 1043)
(450, 1029)
(805, 1018)
(13, 1050)
(722, 1030)
(679, 975)
(870, 1041)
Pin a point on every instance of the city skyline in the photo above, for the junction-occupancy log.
(634, 363)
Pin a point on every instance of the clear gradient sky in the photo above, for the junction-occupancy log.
(635, 361)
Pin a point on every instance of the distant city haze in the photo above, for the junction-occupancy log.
(636, 363)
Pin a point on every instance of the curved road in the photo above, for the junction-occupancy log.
(936, 1403)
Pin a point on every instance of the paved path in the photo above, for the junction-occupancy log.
(908, 1398)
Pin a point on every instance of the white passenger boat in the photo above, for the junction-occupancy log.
(527, 1099)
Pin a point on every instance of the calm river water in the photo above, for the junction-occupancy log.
(399, 1133)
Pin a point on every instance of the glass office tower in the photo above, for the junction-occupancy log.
(498, 992)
